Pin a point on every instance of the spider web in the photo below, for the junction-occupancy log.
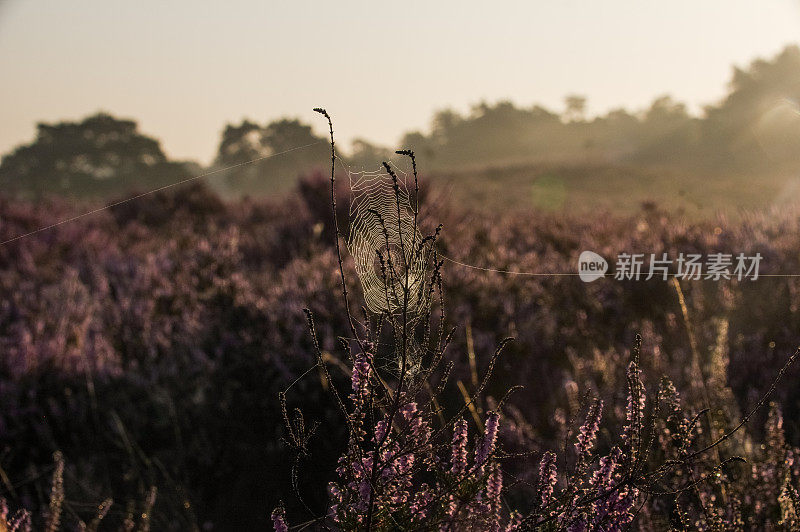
(390, 260)
(382, 224)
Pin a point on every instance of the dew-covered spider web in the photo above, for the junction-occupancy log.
(383, 230)
(391, 259)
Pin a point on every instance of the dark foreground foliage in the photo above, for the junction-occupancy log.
(149, 343)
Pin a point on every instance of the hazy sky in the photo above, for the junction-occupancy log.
(183, 68)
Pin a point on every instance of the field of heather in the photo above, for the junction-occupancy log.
(160, 348)
(450, 266)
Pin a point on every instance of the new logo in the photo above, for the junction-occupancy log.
(591, 266)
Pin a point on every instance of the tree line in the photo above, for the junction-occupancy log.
(754, 128)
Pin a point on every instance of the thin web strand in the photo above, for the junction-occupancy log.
(153, 191)
(347, 170)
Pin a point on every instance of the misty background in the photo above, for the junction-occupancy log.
(738, 152)
(537, 105)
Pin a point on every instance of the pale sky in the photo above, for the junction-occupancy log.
(184, 68)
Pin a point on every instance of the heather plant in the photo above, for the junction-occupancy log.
(148, 344)
(52, 520)
(407, 466)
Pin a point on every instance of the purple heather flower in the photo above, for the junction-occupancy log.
(633, 412)
(612, 508)
(547, 477)
(420, 431)
(336, 500)
(459, 448)
(361, 372)
(278, 521)
(588, 431)
(452, 508)
(380, 431)
(486, 446)
(494, 487)
(494, 484)
(602, 477)
(420, 506)
(21, 522)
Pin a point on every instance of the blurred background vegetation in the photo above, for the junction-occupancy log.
(741, 152)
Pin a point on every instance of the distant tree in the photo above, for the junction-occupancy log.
(615, 134)
(422, 145)
(667, 133)
(445, 120)
(490, 133)
(367, 155)
(96, 156)
(240, 144)
(758, 123)
(575, 108)
(250, 142)
(286, 134)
